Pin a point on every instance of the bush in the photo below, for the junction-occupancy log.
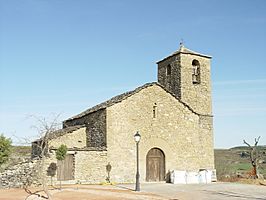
(61, 152)
(5, 148)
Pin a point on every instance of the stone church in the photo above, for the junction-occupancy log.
(172, 115)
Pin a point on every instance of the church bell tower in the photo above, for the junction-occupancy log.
(186, 74)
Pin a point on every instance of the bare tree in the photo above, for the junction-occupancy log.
(254, 157)
(40, 151)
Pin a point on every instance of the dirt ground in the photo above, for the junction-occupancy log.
(149, 191)
(84, 192)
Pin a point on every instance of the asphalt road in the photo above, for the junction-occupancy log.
(213, 191)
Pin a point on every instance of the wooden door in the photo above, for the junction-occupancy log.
(65, 170)
(155, 165)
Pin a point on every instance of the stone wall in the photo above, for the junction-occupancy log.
(206, 152)
(182, 135)
(185, 137)
(21, 174)
(89, 166)
(197, 96)
(179, 82)
(172, 81)
(95, 123)
(75, 139)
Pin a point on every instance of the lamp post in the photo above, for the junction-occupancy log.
(137, 139)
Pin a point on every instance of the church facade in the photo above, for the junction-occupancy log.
(172, 115)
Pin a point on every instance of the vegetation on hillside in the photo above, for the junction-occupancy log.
(235, 162)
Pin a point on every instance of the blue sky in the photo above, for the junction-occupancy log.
(64, 56)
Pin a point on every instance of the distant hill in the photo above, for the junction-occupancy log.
(22, 151)
(260, 147)
(235, 161)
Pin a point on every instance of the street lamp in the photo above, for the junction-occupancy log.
(137, 139)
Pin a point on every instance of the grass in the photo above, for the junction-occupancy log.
(241, 166)
(230, 163)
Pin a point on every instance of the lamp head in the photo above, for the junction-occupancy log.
(137, 137)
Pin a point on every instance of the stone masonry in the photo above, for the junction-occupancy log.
(173, 115)
(184, 137)
(179, 81)
(20, 175)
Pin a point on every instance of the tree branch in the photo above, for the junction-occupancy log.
(246, 143)
(256, 141)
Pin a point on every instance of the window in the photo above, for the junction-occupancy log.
(154, 111)
(168, 70)
(195, 72)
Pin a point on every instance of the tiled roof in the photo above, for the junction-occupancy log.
(122, 97)
(112, 101)
(66, 130)
(184, 50)
(61, 132)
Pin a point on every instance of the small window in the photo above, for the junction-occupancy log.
(168, 70)
(195, 72)
(154, 111)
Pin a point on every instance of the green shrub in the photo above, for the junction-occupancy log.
(61, 152)
(5, 149)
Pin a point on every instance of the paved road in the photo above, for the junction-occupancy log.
(214, 191)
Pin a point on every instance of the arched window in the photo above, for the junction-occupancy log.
(195, 72)
(168, 70)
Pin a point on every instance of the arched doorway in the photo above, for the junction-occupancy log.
(155, 165)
